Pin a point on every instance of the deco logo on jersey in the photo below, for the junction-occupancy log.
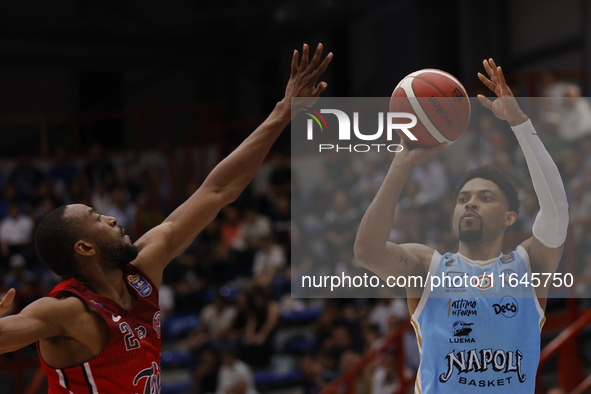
(140, 285)
(507, 307)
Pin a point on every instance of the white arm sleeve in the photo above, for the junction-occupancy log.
(552, 221)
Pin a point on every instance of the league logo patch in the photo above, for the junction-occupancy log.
(507, 259)
(140, 285)
(506, 273)
(156, 323)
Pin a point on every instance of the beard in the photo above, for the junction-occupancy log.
(470, 235)
(116, 255)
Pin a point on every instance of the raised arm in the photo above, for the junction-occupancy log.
(549, 229)
(372, 248)
(231, 176)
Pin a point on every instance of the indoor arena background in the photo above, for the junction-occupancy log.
(127, 106)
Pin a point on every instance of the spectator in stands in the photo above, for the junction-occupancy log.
(385, 378)
(280, 182)
(337, 343)
(230, 230)
(10, 196)
(238, 325)
(25, 177)
(476, 158)
(312, 372)
(372, 337)
(205, 377)
(121, 208)
(16, 231)
(80, 191)
(147, 214)
(384, 309)
(369, 183)
(575, 114)
(527, 213)
(62, 172)
(19, 274)
(254, 228)
(341, 223)
(554, 141)
(268, 261)
(235, 376)
(98, 167)
(101, 198)
(432, 179)
(215, 322)
(349, 359)
(281, 220)
(165, 300)
(260, 326)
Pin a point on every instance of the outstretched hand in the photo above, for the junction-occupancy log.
(505, 107)
(304, 76)
(6, 302)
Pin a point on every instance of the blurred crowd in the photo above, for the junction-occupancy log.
(234, 280)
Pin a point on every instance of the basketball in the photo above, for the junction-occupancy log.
(440, 103)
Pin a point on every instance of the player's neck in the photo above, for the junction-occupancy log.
(111, 284)
(480, 250)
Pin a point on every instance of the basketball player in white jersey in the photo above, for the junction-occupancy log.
(483, 338)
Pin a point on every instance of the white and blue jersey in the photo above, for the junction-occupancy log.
(484, 338)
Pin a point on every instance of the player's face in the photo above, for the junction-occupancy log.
(114, 246)
(480, 212)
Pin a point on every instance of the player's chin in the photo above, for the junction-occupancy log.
(470, 235)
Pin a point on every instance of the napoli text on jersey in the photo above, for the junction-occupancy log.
(484, 338)
(130, 363)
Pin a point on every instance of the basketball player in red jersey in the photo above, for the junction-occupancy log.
(99, 330)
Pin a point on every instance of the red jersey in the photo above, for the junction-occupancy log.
(130, 363)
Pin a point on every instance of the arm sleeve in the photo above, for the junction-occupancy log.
(551, 223)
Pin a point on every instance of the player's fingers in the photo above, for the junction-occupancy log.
(436, 149)
(8, 299)
(485, 102)
(319, 88)
(489, 71)
(323, 65)
(304, 63)
(487, 82)
(294, 62)
(317, 56)
(502, 80)
(492, 63)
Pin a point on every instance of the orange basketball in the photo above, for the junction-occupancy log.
(440, 103)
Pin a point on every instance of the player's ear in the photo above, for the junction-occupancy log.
(510, 218)
(84, 248)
